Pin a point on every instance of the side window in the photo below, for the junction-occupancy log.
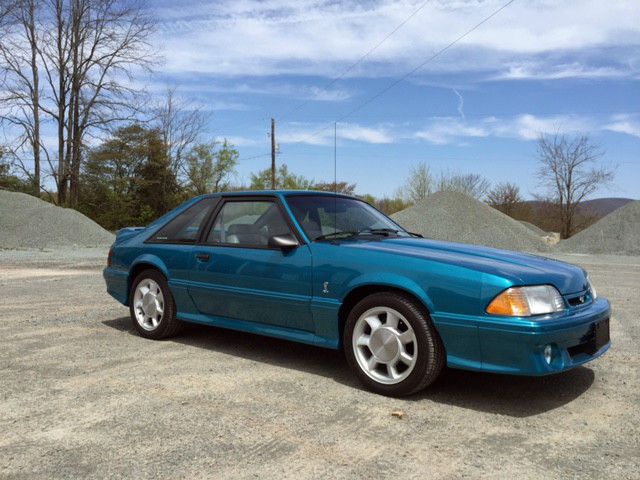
(184, 228)
(247, 223)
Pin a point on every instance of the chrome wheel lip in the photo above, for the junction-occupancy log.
(380, 341)
(148, 304)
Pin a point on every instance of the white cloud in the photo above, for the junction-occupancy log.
(454, 130)
(628, 124)
(318, 135)
(322, 37)
(291, 91)
(540, 71)
(447, 130)
(442, 131)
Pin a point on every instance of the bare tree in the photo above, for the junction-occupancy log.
(419, 183)
(505, 197)
(181, 124)
(20, 81)
(86, 51)
(568, 171)
(471, 184)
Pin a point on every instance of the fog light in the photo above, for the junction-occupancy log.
(548, 354)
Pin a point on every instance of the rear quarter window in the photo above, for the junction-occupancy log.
(185, 227)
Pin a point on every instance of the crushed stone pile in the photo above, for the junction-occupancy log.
(455, 217)
(28, 222)
(534, 228)
(618, 232)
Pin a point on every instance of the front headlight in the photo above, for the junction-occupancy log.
(592, 289)
(527, 301)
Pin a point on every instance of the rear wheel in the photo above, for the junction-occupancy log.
(152, 307)
(392, 345)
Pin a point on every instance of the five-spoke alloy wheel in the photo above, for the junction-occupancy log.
(392, 345)
(151, 306)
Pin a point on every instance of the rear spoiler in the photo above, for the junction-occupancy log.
(127, 232)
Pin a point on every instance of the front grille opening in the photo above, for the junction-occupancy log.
(598, 337)
(582, 349)
(579, 299)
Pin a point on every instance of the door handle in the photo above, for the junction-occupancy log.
(203, 257)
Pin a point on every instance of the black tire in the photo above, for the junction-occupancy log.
(431, 357)
(169, 325)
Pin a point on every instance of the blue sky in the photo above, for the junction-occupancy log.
(537, 66)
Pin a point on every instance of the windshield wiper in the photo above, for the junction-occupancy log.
(346, 234)
(352, 233)
(380, 231)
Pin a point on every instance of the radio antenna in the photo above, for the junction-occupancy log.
(335, 157)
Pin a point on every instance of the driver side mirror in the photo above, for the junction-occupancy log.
(284, 242)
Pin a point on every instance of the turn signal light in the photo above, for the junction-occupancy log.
(511, 302)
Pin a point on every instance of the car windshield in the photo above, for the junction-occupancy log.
(332, 217)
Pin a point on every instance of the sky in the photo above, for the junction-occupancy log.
(536, 66)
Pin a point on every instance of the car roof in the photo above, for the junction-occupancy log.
(286, 193)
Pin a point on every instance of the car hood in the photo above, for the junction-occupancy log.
(519, 268)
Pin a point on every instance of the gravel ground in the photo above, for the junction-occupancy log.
(455, 217)
(83, 396)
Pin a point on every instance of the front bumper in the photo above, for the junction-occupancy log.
(516, 345)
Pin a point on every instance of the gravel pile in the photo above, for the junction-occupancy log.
(618, 232)
(455, 217)
(534, 228)
(28, 222)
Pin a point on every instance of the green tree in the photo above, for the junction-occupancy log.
(127, 179)
(284, 180)
(9, 181)
(209, 168)
(339, 187)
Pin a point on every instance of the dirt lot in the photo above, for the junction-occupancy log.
(82, 396)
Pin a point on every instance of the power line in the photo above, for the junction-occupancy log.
(415, 69)
(254, 156)
(360, 60)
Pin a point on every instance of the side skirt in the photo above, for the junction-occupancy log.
(283, 333)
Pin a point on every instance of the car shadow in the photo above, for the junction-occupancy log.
(509, 395)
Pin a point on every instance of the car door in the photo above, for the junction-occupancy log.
(236, 274)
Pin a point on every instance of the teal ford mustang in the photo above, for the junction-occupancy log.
(332, 271)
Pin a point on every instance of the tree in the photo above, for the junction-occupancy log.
(127, 180)
(339, 187)
(471, 184)
(20, 80)
(567, 169)
(209, 168)
(391, 205)
(8, 180)
(284, 180)
(181, 125)
(419, 183)
(505, 197)
(70, 63)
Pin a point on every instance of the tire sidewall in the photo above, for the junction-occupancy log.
(419, 320)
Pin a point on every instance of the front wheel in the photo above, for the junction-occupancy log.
(392, 345)
(151, 306)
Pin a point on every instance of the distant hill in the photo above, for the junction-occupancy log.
(598, 207)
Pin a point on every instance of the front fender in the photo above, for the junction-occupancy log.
(390, 280)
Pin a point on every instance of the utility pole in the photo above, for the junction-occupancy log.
(273, 154)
